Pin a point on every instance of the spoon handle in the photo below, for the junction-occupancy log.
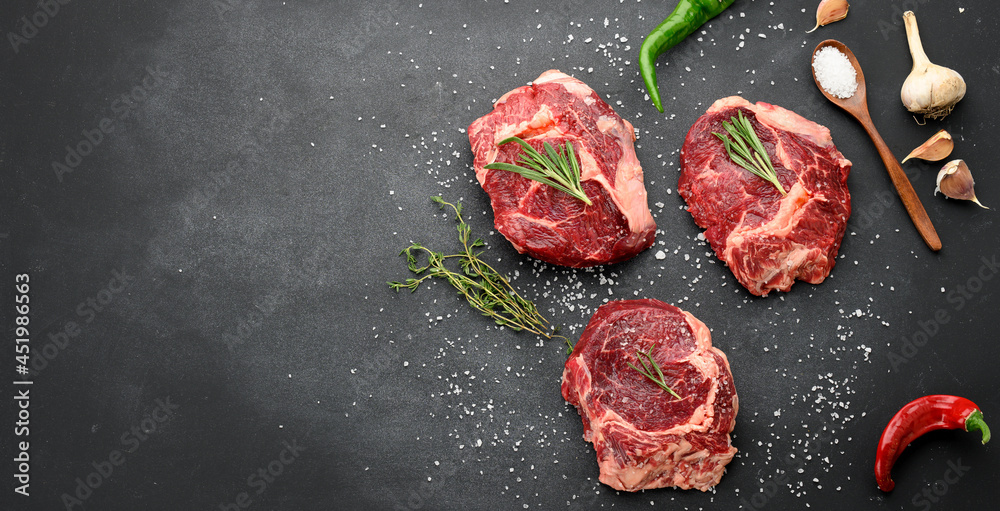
(903, 187)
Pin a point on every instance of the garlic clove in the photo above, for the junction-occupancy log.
(935, 148)
(830, 11)
(929, 89)
(955, 181)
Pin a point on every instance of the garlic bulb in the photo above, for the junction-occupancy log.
(930, 89)
(955, 181)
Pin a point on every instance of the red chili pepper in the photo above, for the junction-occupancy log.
(918, 417)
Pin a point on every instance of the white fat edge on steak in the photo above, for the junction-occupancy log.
(630, 196)
(665, 462)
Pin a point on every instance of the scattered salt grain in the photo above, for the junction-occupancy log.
(835, 73)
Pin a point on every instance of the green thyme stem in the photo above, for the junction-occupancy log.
(560, 170)
(479, 283)
(746, 150)
(649, 365)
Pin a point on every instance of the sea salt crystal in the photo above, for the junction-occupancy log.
(835, 73)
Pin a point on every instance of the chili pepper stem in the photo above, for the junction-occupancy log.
(975, 422)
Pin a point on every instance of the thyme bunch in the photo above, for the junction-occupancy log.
(480, 284)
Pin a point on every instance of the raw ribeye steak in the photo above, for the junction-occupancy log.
(768, 240)
(644, 437)
(549, 224)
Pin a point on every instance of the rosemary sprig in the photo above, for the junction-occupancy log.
(481, 285)
(560, 170)
(645, 359)
(747, 151)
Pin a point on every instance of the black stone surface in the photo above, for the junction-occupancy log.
(209, 318)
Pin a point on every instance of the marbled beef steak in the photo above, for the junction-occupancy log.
(644, 437)
(549, 224)
(768, 240)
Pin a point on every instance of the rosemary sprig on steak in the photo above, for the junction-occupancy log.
(481, 285)
(746, 150)
(645, 359)
(560, 170)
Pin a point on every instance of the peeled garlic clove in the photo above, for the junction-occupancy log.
(955, 181)
(929, 89)
(935, 148)
(830, 11)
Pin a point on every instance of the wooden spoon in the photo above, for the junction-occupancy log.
(857, 106)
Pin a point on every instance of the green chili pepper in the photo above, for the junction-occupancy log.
(688, 16)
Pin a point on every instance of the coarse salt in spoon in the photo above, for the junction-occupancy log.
(834, 80)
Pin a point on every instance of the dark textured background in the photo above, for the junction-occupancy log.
(274, 157)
